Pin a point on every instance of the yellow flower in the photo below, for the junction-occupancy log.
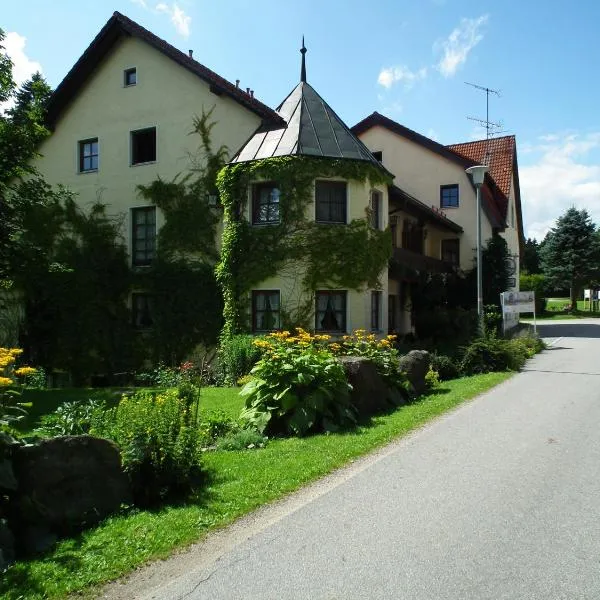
(23, 371)
(391, 337)
(335, 347)
(5, 381)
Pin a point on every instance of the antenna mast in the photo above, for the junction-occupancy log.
(491, 128)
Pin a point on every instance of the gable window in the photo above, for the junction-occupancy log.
(143, 235)
(130, 77)
(375, 311)
(331, 200)
(142, 306)
(265, 203)
(266, 310)
(451, 252)
(330, 313)
(449, 196)
(376, 203)
(143, 146)
(88, 155)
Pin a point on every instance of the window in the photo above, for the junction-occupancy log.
(88, 155)
(391, 313)
(330, 313)
(330, 198)
(376, 202)
(143, 146)
(449, 196)
(143, 235)
(375, 311)
(394, 231)
(378, 154)
(129, 77)
(413, 236)
(451, 252)
(142, 307)
(265, 203)
(266, 310)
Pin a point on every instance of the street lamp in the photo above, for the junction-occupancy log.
(478, 174)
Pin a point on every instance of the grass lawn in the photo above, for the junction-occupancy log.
(555, 306)
(238, 483)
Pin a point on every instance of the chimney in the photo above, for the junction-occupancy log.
(191, 53)
(237, 83)
(248, 91)
(251, 93)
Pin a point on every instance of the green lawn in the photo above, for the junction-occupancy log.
(238, 483)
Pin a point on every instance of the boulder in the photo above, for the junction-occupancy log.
(416, 365)
(68, 483)
(370, 394)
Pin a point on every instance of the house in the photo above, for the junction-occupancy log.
(122, 117)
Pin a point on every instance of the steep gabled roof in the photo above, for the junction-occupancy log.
(119, 26)
(494, 203)
(497, 153)
(312, 129)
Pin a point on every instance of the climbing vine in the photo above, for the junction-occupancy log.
(350, 256)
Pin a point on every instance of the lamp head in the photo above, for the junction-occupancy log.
(477, 173)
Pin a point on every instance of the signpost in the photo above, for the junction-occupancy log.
(515, 303)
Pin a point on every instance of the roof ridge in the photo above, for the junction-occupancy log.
(501, 137)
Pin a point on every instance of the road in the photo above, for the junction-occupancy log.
(500, 499)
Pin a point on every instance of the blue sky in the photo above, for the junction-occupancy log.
(406, 59)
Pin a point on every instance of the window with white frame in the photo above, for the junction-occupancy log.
(266, 310)
(331, 201)
(330, 311)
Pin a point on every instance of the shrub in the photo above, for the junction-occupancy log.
(432, 379)
(537, 283)
(166, 377)
(237, 355)
(488, 354)
(70, 418)
(297, 387)
(37, 380)
(446, 367)
(492, 320)
(381, 352)
(159, 441)
(214, 425)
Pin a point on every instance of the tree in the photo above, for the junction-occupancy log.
(531, 262)
(571, 252)
(494, 259)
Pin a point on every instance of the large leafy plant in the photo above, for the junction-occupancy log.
(297, 387)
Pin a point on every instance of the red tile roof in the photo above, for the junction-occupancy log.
(501, 152)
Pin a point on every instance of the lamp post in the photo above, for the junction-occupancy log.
(478, 173)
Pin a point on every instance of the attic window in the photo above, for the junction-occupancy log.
(129, 77)
(143, 146)
(378, 155)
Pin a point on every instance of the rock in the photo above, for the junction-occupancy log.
(370, 394)
(7, 546)
(416, 365)
(35, 539)
(7, 476)
(68, 483)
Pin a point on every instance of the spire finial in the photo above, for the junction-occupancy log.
(303, 70)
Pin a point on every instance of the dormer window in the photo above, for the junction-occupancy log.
(130, 77)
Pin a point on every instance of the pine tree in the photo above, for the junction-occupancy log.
(571, 252)
(531, 262)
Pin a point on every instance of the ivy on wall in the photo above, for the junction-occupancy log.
(348, 256)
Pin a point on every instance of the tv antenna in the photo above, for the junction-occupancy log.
(491, 127)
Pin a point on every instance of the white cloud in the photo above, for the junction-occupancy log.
(391, 75)
(459, 43)
(180, 20)
(141, 3)
(567, 173)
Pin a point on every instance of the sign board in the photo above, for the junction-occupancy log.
(515, 303)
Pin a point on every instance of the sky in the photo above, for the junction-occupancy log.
(407, 59)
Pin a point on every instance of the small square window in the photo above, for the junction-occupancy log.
(375, 205)
(375, 311)
(266, 310)
(88, 155)
(142, 308)
(143, 146)
(378, 155)
(265, 203)
(449, 196)
(143, 235)
(330, 312)
(451, 252)
(330, 198)
(130, 77)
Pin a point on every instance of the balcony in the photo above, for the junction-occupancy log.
(404, 262)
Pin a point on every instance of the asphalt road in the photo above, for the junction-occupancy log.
(497, 500)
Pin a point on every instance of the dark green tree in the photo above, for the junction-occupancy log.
(494, 258)
(531, 262)
(571, 253)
